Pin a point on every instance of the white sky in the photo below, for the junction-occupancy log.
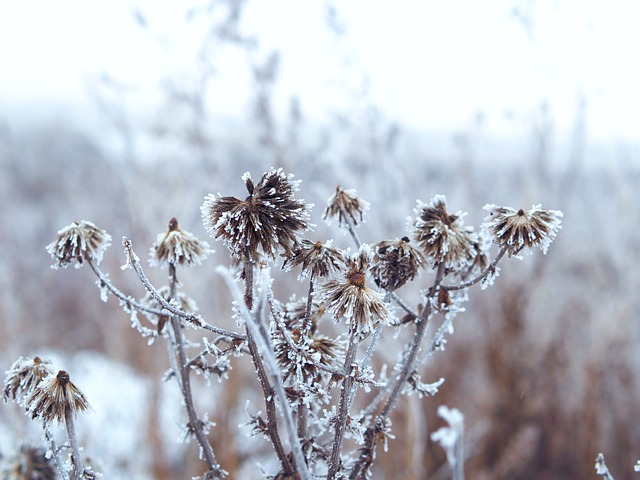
(432, 64)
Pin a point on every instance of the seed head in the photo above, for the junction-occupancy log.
(519, 230)
(177, 247)
(295, 311)
(24, 376)
(53, 396)
(395, 263)
(269, 219)
(78, 241)
(316, 259)
(322, 349)
(348, 207)
(442, 236)
(349, 297)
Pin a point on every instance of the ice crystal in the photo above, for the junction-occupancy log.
(450, 437)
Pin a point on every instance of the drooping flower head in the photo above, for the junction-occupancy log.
(78, 242)
(267, 220)
(349, 297)
(347, 206)
(442, 236)
(316, 258)
(24, 376)
(177, 247)
(395, 263)
(520, 230)
(53, 396)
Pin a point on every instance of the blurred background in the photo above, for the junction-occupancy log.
(127, 113)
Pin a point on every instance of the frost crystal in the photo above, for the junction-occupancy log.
(450, 438)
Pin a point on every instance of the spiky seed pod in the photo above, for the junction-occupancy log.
(395, 263)
(519, 230)
(350, 298)
(24, 376)
(316, 259)
(29, 463)
(347, 206)
(53, 395)
(442, 236)
(78, 242)
(186, 304)
(177, 247)
(268, 220)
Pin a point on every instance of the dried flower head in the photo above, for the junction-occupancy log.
(350, 298)
(322, 350)
(79, 241)
(53, 396)
(395, 263)
(442, 236)
(29, 463)
(177, 247)
(347, 206)
(519, 230)
(269, 219)
(24, 376)
(185, 303)
(316, 259)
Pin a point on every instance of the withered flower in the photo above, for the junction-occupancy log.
(318, 350)
(269, 219)
(53, 396)
(519, 230)
(350, 298)
(395, 262)
(78, 241)
(295, 311)
(348, 207)
(24, 376)
(185, 303)
(442, 236)
(29, 463)
(177, 247)
(316, 259)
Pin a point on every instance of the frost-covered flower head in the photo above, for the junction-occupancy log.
(442, 236)
(347, 206)
(79, 241)
(520, 230)
(24, 376)
(322, 350)
(29, 463)
(296, 310)
(177, 247)
(269, 219)
(348, 297)
(53, 396)
(395, 263)
(316, 259)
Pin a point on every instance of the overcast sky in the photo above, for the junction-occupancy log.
(432, 64)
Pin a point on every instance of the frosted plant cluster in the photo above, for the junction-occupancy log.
(326, 394)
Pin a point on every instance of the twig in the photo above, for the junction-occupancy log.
(56, 454)
(196, 320)
(482, 275)
(76, 458)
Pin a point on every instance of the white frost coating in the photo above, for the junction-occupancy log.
(636, 467)
(450, 438)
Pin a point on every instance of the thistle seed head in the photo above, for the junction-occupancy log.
(347, 207)
(442, 236)
(177, 247)
(395, 263)
(24, 376)
(520, 230)
(78, 242)
(316, 259)
(53, 396)
(268, 220)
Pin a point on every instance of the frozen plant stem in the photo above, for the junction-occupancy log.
(185, 382)
(56, 454)
(343, 409)
(267, 391)
(76, 459)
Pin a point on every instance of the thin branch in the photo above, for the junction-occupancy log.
(197, 320)
(56, 454)
(76, 458)
(485, 272)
